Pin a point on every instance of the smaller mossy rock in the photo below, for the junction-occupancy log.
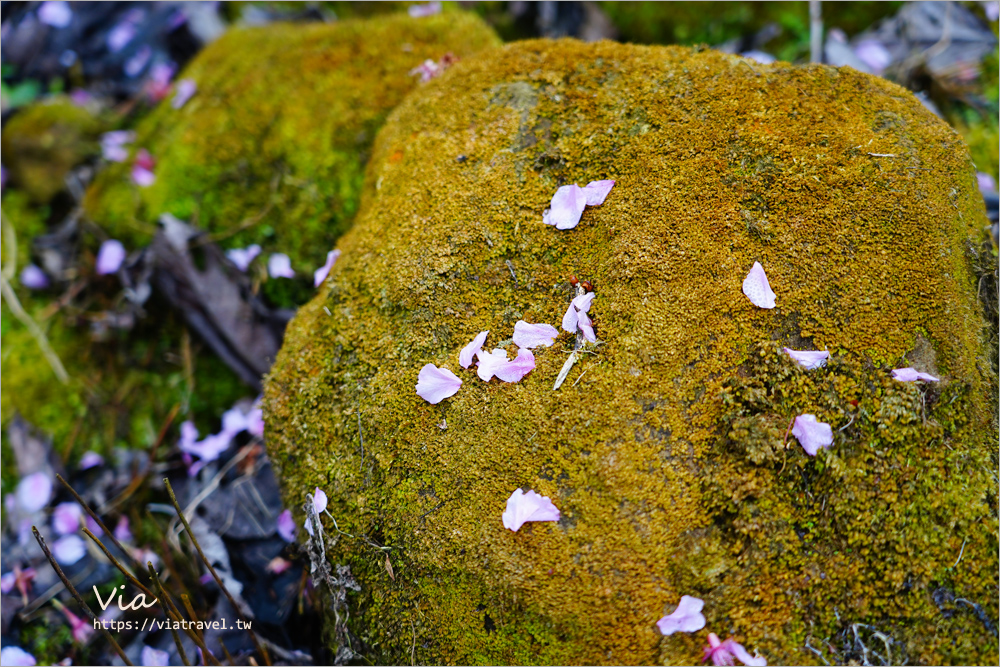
(271, 150)
(44, 141)
(667, 449)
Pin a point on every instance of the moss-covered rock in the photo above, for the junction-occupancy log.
(665, 449)
(272, 148)
(43, 142)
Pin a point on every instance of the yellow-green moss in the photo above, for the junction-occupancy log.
(43, 142)
(664, 449)
(272, 148)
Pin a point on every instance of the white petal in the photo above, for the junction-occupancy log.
(757, 289)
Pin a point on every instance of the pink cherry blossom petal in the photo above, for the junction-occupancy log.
(686, 618)
(741, 654)
(255, 422)
(279, 265)
(110, 257)
(113, 145)
(436, 384)
(420, 11)
(319, 500)
(322, 272)
(185, 90)
(90, 459)
(757, 289)
(208, 449)
(513, 371)
(547, 217)
(242, 257)
(122, 531)
(33, 492)
(523, 507)
(874, 54)
(533, 335)
(152, 657)
(66, 518)
(465, 357)
(808, 359)
(570, 319)
(567, 206)
(234, 422)
(69, 549)
(583, 301)
(286, 526)
(15, 656)
(490, 363)
(985, 181)
(55, 13)
(277, 565)
(912, 375)
(597, 192)
(812, 434)
(586, 327)
(33, 277)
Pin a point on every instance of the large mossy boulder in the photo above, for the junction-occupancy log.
(272, 147)
(665, 450)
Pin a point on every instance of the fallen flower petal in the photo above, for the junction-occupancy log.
(279, 265)
(207, 449)
(113, 145)
(523, 507)
(16, 656)
(322, 272)
(91, 459)
(513, 371)
(583, 302)
(723, 653)
(69, 549)
(468, 352)
(242, 257)
(55, 13)
(597, 192)
(277, 565)
(142, 169)
(234, 422)
(33, 492)
(420, 11)
(122, 531)
(808, 359)
(319, 500)
(119, 36)
(490, 363)
(255, 422)
(757, 289)
(152, 657)
(19, 579)
(286, 526)
(66, 518)
(436, 384)
(567, 206)
(912, 375)
(185, 90)
(33, 277)
(533, 335)
(812, 434)
(80, 629)
(586, 327)
(110, 257)
(686, 618)
(579, 304)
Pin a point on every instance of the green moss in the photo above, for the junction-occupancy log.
(663, 450)
(44, 141)
(272, 148)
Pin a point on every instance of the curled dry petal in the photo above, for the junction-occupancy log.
(513, 371)
(533, 335)
(110, 257)
(280, 266)
(597, 192)
(523, 507)
(469, 352)
(686, 618)
(33, 492)
(911, 375)
(812, 434)
(808, 359)
(322, 272)
(567, 206)
(757, 289)
(586, 327)
(436, 384)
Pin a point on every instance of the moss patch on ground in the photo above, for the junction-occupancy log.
(664, 449)
(271, 150)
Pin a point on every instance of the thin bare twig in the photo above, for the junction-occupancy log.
(215, 575)
(33, 328)
(165, 600)
(83, 605)
(97, 520)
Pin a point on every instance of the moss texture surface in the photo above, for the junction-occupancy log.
(664, 449)
(272, 148)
